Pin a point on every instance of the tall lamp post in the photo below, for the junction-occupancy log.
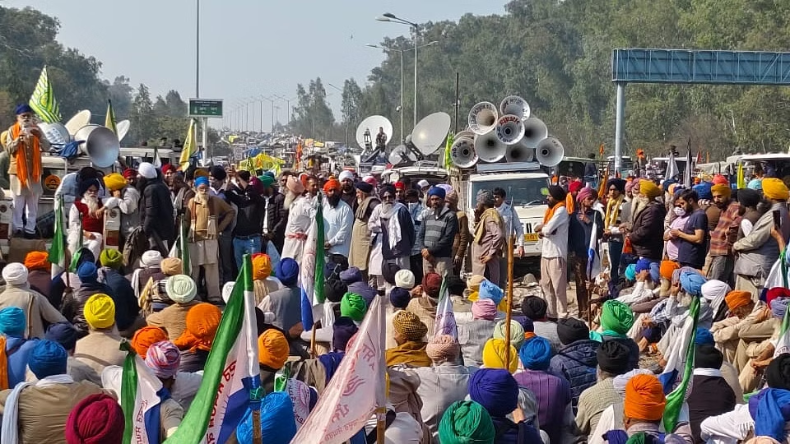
(288, 103)
(345, 110)
(389, 17)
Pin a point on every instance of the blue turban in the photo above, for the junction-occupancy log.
(351, 275)
(778, 307)
(642, 265)
(202, 180)
(399, 297)
(287, 271)
(47, 358)
(755, 184)
(63, 333)
(277, 420)
(535, 353)
(87, 272)
(436, 191)
(691, 282)
(490, 291)
(495, 389)
(12, 321)
(367, 292)
(525, 322)
(665, 184)
(23, 108)
(342, 331)
(704, 337)
(630, 272)
(87, 183)
(703, 190)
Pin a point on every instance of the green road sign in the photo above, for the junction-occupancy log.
(205, 108)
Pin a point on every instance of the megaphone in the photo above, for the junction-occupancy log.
(489, 148)
(515, 105)
(77, 121)
(549, 152)
(510, 129)
(534, 131)
(100, 144)
(519, 153)
(56, 133)
(462, 152)
(483, 118)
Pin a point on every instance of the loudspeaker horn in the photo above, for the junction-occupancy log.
(549, 152)
(100, 144)
(372, 125)
(430, 132)
(519, 153)
(515, 105)
(534, 131)
(462, 152)
(489, 148)
(123, 128)
(56, 133)
(483, 118)
(510, 129)
(79, 120)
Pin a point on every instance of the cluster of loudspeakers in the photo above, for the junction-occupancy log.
(97, 142)
(509, 132)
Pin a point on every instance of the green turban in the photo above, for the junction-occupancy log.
(516, 333)
(353, 306)
(111, 258)
(617, 317)
(266, 180)
(466, 422)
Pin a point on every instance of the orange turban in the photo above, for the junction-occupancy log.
(332, 184)
(261, 266)
(667, 268)
(273, 349)
(37, 260)
(737, 299)
(719, 179)
(145, 337)
(202, 323)
(644, 398)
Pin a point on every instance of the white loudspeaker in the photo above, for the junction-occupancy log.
(519, 153)
(549, 152)
(462, 152)
(100, 144)
(489, 148)
(56, 133)
(534, 131)
(510, 129)
(430, 132)
(515, 105)
(483, 118)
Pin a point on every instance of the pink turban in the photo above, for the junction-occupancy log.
(584, 193)
(163, 358)
(294, 185)
(720, 180)
(484, 309)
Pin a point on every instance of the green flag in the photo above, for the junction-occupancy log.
(43, 99)
(57, 252)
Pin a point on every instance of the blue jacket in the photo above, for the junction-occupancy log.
(126, 305)
(18, 351)
(507, 432)
(577, 363)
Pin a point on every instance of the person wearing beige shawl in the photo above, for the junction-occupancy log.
(488, 240)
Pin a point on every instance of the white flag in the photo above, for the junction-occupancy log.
(444, 323)
(351, 396)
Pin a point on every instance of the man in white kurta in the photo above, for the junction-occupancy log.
(301, 211)
(338, 221)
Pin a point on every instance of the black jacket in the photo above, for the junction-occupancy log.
(249, 219)
(126, 305)
(647, 234)
(156, 209)
(277, 217)
(74, 304)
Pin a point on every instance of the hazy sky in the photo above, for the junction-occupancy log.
(248, 47)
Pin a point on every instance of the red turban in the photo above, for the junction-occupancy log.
(97, 419)
(575, 186)
(168, 168)
(400, 185)
(331, 184)
(129, 173)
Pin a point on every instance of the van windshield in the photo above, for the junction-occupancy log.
(523, 192)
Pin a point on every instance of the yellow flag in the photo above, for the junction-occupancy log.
(190, 146)
(741, 179)
(109, 119)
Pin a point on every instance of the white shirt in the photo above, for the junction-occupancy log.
(337, 227)
(512, 223)
(728, 428)
(555, 235)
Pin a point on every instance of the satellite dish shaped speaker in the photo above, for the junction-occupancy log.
(462, 152)
(519, 153)
(489, 148)
(510, 129)
(549, 152)
(483, 118)
(534, 131)
(101, 144)
(401, 154)
(430, 132)
(56, 133)
(372, 124)
(123, 128)
(515, 105)
(79, 120)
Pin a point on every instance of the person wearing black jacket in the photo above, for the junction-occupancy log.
(249, 219)
(156, 209)
(648, 222)
(275, 216)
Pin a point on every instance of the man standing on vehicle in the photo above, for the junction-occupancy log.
(513, 227)
(24, 144)
(553, 264)
(381, 140)
(156, 209)
(437, 234)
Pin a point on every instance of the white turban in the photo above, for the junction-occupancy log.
(404, 279)
(423, 184)
(147, 170)
(151, 258)
(181, 288)
(714, 292)
(15, 274)
(346, 175)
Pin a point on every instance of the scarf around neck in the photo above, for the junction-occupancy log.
(612, 211)
(490, 214)
(550, 212)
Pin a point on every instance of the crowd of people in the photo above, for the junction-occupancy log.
(561, 372)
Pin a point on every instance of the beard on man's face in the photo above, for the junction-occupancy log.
(333, 200)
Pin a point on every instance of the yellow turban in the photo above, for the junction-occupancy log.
(721, 188)
(474, 282)
(114, 181)
(261, 267)
(273, 349)
(775, 189)
(649, 189)
(99, 311)
(494, 355)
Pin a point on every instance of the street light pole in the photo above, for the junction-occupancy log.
(416, 30)
(345, 110)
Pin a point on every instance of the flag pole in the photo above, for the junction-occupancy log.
(510, 241)
(313, 353)
(257, 436)
(381, 395)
